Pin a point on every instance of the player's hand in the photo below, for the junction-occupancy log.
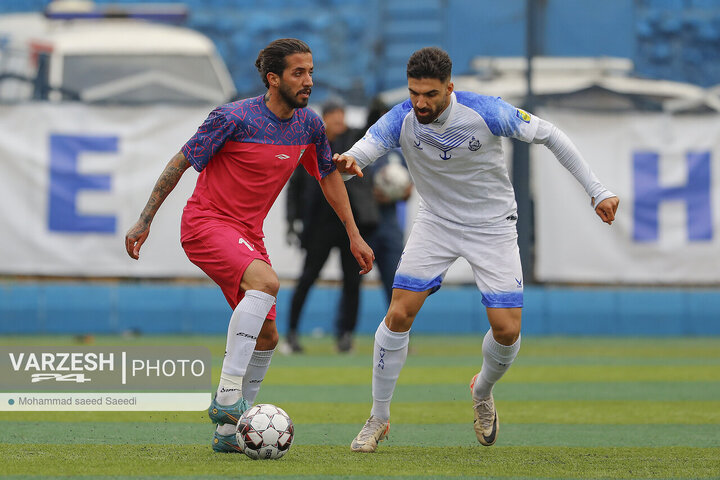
(363, 254)
(347, 164)
(607, 208)
(135, 237)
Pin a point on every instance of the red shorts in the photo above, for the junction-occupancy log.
(223, 252)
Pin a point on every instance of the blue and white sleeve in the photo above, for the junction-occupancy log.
(380, 138)
(505, 120)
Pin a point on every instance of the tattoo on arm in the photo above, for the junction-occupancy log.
(164, 185)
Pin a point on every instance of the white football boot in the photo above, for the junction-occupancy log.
(374, 431)
(486, 419)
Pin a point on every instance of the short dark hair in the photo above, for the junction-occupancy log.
(331, 105)
(272, 57)
(430, 62)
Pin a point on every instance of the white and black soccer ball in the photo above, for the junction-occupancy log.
(265, 432)
(393, 181)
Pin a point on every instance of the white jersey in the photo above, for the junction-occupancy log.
(457, 162)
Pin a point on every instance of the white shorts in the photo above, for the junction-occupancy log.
(492, 252)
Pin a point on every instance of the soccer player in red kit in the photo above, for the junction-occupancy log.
(245, 152)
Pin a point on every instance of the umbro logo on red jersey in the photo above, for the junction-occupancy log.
(282, 156)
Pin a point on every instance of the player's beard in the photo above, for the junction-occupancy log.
(292, 98)
(429, 114)
(426, 117)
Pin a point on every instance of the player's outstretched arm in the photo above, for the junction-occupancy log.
(347, 164)
(169, 178)
(334, 190)
(569, 157)
(607, 208)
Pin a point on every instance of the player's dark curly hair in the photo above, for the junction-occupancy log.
(272, 57)
(430, 62)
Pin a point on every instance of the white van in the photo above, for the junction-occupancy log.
(107, 60)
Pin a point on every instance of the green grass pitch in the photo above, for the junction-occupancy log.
(579, 408)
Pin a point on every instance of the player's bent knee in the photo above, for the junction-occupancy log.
(505, 324)
(267, 283)
(271, 286)
(399, 319)
(260, 276)
(506, 334)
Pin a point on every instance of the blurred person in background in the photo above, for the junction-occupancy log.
(319, 232)
(388, 238)
(245, 152)
(452, 144)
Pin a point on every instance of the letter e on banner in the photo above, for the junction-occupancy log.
(66, 182)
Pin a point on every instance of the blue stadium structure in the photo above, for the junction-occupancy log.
(361, 46)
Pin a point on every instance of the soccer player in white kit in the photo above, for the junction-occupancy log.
(452, 144)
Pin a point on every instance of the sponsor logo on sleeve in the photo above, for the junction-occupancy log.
(523, 115)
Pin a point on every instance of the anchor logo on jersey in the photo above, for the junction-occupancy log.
(416, 142)
(445, 155)
(474, 144)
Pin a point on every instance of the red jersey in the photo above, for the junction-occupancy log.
(245, 155)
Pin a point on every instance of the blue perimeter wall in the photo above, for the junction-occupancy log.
(155, 308)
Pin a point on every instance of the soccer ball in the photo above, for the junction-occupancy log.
(265, 432)
(393, 181)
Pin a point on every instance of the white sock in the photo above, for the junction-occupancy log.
(497, 359)
(226, 429)
(255, 373)
(390, 352)
(245, 325)
(229, 390)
